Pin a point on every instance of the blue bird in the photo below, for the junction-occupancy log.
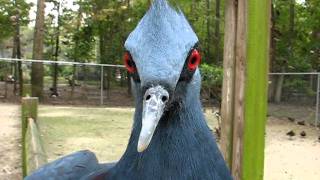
(170, 138)
(73, 166)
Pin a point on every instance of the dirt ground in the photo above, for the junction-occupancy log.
(10, 142)
(106, 131)
(294, 158)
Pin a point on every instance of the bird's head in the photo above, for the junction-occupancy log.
(162, 58)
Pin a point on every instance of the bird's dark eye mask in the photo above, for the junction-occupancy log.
(131, 66)
(191, 64)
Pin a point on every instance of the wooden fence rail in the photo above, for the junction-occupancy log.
(33, 153)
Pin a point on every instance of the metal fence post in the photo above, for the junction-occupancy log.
(317, 105)
(101, 84)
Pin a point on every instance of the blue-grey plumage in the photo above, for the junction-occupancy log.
(179, 145)
(71, 167)
(160, 44)
(170, 138)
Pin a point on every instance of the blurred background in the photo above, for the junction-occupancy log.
(94, 87)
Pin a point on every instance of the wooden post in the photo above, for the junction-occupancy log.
(29, 109)
(35, 154)
(227, 108)
(101, 84)
(26, 90)
(244, 103)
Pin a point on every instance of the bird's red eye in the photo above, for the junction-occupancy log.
(129, 63)
(194, 60)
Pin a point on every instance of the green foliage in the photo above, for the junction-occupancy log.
(113, 21)
(298, 85)
(211, 76)
(296, 36)
(201, 15)
(4, 70)
(8, 16)
(298, 51)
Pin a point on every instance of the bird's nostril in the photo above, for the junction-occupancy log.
(164, 98)
(148, 97)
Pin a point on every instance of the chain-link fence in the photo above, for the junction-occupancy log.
(295, 96)
(76, 83)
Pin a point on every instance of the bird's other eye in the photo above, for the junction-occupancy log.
(194, 60)
(129, 63)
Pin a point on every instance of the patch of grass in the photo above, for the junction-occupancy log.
(105, 131)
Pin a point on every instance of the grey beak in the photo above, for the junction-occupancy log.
(154, 103)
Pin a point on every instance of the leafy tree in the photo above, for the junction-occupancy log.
(8, 16)
(295, 44)
(212, 76)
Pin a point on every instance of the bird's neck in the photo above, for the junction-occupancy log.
(182, 146)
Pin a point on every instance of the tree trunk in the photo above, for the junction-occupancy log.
(272, 79)
(18, 49)
(128, 83)
(76, 58)
(37, 68)
(217, 32)
(14, 65)
(109, 77)
(280, 80)
(208, 31)
(227, 109)
(278, 93)
(74, 69)
(102, 48)
(125, 72)
(56, 55)
(291, 28)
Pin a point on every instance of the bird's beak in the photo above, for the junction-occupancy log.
(154, 103)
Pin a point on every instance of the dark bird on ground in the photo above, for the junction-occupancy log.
(291, 133)
(302, 123)
(303, 134)
(217, 132)
(291, 119)
(170, 138)
(53, 92)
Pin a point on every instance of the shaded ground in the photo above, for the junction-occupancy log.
(89, 95)
(106, 131)
(10, 146)
(299, 112)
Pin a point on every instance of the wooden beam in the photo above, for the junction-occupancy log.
(239, 93)
(258, 32)
(26, 90)
(35, 154)
(244, 101)
(228, 80)
(29, 109)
